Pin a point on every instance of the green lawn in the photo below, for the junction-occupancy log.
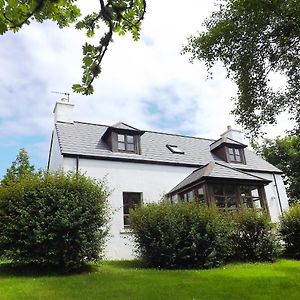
(126, 280)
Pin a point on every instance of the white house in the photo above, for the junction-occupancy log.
(143, 166)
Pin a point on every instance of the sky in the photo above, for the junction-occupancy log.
(147, 84)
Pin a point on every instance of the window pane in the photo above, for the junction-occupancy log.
(231, 203)
(126, 209)
(121, 146)
(130, 147)
(200, 191)
(230, 150)
(218, 189)
(247, 202)
(232, 158)
(126, 220)
(190, 196)
(220, 202)
(236, 151)
(130, 201)
(254, 192)
(121, 138)
(256, 203)
(130, 139)
(175, 149)
(229, 189)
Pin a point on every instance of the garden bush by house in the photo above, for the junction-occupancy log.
(53, 220)
(187, 235)
(290, 231)
(183, 235)
(254, 237)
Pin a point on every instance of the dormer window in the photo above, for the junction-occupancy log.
(175, 149)
(125, 143)
(229, 150)
(123, 138)
(235, 155)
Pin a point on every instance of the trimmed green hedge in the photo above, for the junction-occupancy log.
(290, 231)
(186, 235)
(180, 235)
(53, 220)
(254, 237)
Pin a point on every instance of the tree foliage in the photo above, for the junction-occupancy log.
(118, 16)
(53, 220)
(254, 38)
(19, 168)
(284, 153)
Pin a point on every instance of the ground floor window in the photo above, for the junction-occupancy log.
(130, 201)
(195, 194)
(235, 197)
(227, 197)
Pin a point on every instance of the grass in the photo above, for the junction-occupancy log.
(128, 280)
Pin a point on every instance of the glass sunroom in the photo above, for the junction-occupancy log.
(227, 188)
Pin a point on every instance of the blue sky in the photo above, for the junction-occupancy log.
(147, 84)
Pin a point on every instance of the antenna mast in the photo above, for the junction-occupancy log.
(62, 93)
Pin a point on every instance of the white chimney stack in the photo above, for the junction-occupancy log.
(233, 134)
(63, 111)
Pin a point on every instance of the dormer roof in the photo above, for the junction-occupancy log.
(122, 128)
(226, 141)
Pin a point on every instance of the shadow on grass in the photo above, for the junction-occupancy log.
(26, 270)
(127, 264)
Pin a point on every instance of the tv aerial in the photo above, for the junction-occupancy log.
(67, 99)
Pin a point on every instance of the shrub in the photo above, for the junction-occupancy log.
(53, 220)
(290, 231)
(254, 238)
(180, 235)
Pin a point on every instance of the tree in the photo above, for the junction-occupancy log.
(284, 153)
(119, 16)
(19, 168)
(253, 39)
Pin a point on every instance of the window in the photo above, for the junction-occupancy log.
(225, 197)
(175, 149)
(235, 155)
(196, 194)
(126, 143)
(130, 201)
(251, 197)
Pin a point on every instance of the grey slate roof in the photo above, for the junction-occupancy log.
(84, 139)
(214, 170)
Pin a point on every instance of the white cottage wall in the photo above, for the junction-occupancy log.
(56, 159)
(277, 201)
(152, 180)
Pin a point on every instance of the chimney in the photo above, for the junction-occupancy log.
(233, 134)
(63, 111)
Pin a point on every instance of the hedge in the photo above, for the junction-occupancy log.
(290, 231)
(53, 220)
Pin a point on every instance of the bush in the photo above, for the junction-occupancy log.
(254, 238)
(290, 231)
(54, 220)
(180, 235)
